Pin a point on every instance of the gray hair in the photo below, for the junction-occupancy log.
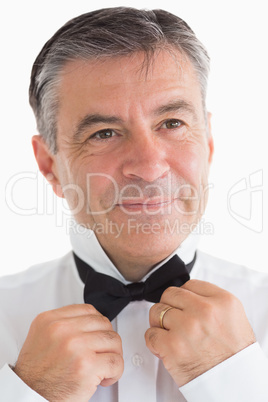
(104, 33)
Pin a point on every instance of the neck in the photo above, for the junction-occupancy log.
(133, 269)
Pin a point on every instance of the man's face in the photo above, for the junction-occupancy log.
(133, 151)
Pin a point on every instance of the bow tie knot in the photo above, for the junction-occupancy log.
(136, 290)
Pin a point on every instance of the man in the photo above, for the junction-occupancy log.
(119, 97)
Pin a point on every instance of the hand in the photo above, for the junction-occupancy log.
(68, 352)
(205, 326)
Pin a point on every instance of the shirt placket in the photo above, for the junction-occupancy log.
(138, 382)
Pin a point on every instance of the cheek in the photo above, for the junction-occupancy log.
(102, 190)
(93, 173)
(191, 166)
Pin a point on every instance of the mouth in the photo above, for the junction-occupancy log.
(145, 205)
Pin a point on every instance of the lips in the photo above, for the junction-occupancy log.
(147, 204)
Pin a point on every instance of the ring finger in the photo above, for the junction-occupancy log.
(163, 314)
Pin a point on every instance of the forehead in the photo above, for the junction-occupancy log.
(127, 83)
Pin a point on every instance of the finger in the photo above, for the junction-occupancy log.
(156, 341)
(202, 288)
(88, 323)
(75, 310)
(92, 343)
(109, 367)
(170, 318)
(57, 317)
(179, 298)
(103, 342)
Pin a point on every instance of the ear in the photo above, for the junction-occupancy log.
(46, 162)
(210, 138)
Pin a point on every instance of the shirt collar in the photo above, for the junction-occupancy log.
(87, 247)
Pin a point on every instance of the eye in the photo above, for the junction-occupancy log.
(104, 134)
(172, 124)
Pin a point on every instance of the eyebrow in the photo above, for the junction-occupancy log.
(91, 120)
(175, 106)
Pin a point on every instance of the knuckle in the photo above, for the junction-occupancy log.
(109, 339)
(151, 338)
(117, 342)
(121, 365)
(153, 311)
(170, 292)
(100, 321)
(117, 338)
(89, 308)
(191, 282)
(71, 345)
(115, 361)
(231, 301)
(194, 325)
(41, 320)
(209, 311)
(177, 344)
(172, 295)
(56, 329)
(110, 336)
(82, 364)
(105, 321)
(208, 307)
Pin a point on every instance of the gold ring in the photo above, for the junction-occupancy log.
(163, 312)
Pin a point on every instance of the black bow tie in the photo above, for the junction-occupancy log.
(109, 296)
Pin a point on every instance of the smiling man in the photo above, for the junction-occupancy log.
(119, 98)
(137, 141)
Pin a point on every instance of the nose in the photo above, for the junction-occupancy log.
(146, 159)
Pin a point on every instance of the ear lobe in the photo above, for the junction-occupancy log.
(46, 163)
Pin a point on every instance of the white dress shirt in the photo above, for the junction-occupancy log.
(241, 378)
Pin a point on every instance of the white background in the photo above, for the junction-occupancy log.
(236, 34)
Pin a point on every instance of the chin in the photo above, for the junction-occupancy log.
(158, 245)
